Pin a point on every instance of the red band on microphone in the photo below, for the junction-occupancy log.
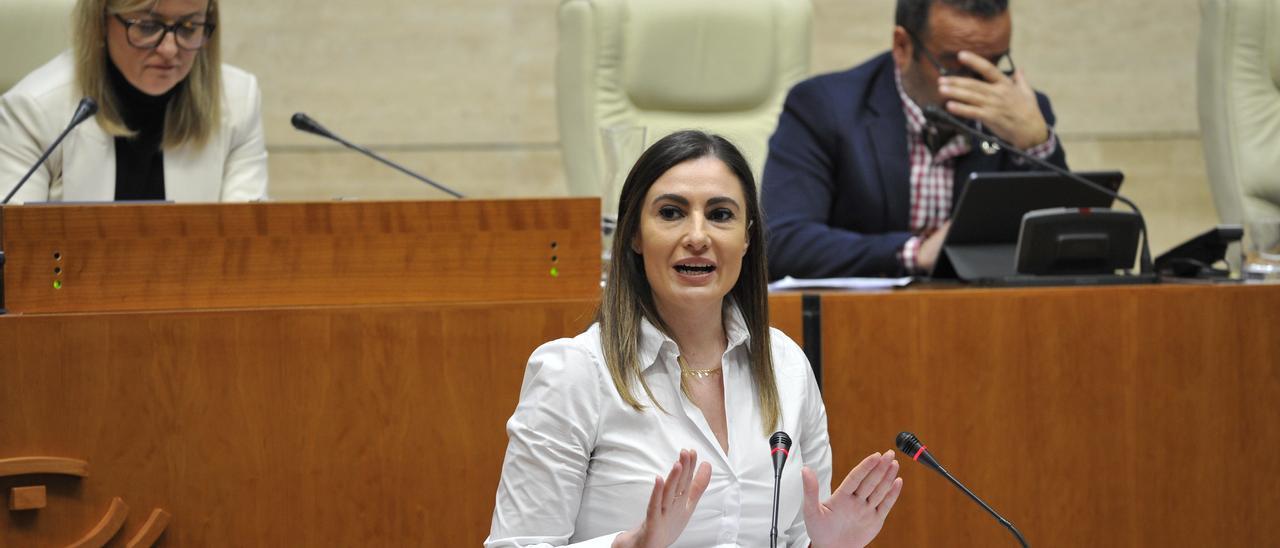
(916, 457)
(784, 451)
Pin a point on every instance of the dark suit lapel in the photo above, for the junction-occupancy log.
(886, 130)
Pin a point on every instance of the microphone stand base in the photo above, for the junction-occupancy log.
(1029, 280)
(995, 265)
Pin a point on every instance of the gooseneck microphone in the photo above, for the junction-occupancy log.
(302, 122)
(85, 110)
(939, 115)
(912, 446)
(779, 449)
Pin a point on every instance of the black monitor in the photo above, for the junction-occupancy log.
(1198, 257)
(984, 226)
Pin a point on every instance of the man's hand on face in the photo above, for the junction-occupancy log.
(1007, 106)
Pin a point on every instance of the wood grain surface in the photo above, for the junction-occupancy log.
(367, 426)
(15, 466)
(32, 497)
(120, 257)
(786, 312)
(151, 529)
(1088, 417)
(106, 528)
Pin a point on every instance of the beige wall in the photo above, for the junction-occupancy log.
(464, 90)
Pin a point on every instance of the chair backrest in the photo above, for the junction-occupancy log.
(31, 33)
(1239, 103)
(723, 66)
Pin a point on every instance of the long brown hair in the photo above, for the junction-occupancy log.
(195, 109)
(628, 298)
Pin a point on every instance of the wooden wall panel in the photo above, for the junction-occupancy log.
(379, 426)
(1089, 417)
(182, 256)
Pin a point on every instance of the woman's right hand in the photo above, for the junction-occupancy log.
(670, 505)
(857, 509)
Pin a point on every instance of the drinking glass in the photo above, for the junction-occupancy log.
(623, 145)
(1261, 250)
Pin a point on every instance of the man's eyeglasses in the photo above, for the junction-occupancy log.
(149, 33)
(1004, 63)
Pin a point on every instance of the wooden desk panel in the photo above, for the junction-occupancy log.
(786, 312)
(323, 426)
(133, 257)
(375, 426)
(285, 427)
(1088, 417)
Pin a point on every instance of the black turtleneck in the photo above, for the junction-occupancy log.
(139, 159)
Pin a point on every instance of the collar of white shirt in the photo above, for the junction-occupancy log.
(654, 343)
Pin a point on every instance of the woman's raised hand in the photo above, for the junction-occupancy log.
(856, 510)
(670, 505)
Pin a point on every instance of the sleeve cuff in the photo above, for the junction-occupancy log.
(907, 255)
(1043, 150)
(598, 542)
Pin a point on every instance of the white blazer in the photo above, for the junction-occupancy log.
(230, 167)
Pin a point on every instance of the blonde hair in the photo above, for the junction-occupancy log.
(196, 106)
(628, 297)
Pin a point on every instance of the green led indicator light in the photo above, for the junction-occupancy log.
(57, 284)
(555, 272)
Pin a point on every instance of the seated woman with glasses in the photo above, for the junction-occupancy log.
(173, 122)
(681, 365)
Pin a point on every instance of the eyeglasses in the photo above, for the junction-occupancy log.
(149, 33)
(1004, 63)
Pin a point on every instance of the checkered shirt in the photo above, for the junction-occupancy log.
(932, 175)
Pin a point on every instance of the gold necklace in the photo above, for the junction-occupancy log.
(686, 371)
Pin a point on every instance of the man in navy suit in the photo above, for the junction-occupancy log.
(858, 182)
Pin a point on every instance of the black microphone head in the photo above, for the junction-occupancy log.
(938, 115)
(933, 113)
(779, 449)
(85, 110)
(914, 449)
(302, 122)
(780, 439)
(908, 444)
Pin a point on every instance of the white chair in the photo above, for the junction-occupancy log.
(32, 32)
(723, 66)
(1239, 103)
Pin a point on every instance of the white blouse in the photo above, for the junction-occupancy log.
(580, 461)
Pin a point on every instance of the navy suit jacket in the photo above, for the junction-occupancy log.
(836, 186)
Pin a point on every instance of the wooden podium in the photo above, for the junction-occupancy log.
(178, 257)
(320, 374)
(340, 374)
(1100, 416)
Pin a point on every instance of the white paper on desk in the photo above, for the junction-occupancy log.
(839, 283)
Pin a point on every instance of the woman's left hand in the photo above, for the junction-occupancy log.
(856, 510)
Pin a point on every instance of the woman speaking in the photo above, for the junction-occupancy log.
(680, 366)
(173, 122)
